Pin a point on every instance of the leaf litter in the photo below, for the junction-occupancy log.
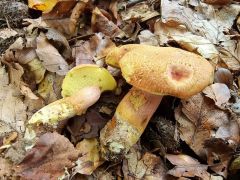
(204, 129)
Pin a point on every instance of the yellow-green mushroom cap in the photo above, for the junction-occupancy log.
(87, 75)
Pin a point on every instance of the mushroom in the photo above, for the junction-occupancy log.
(153, 72)
(81, 88)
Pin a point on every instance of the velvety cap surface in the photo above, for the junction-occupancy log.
(166, 71)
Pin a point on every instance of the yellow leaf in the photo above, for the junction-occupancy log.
(42, 5)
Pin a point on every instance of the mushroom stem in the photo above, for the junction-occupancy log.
(67, 107)
(128, 123)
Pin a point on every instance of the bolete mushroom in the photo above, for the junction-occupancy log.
(81, 88)
(153, 72)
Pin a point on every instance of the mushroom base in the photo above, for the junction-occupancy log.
(116, 138)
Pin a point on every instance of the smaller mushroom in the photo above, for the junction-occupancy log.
(153, 72)
(81, 88)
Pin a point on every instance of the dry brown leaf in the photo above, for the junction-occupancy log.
(141, 11)
(113, 7)
(147, 37)
(6, 33)
(223, 75)
(207, 22)
(187, 166)
(92, 51)
(218, 158)
(147, 166)
(219, 93)
(101, 23)
(187, 40)
(50, 87)
(89, 158)
(86, 126)
(6, 169)
(48, 159)
(13, 110)
(59, 41)
(198, 119)
(203, 114)
(50, 57)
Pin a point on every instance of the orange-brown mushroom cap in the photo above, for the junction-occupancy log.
(166, 71)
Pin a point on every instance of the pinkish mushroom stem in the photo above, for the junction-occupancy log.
(128, 123)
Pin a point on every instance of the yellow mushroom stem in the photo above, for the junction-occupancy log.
(67, 107)
(128, 123)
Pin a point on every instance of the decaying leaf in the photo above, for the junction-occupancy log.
(50, 87)
(59, 41)
(141, 11)
(212, 24)
(92, 51)
(187, 166)
(43, 5)
(146, 166)
(223, 75)
(101, 23)
(89, 158)
(50, 57)
(200, 121)
(235, 164)
(6, 169)
(147, 37)
(218, 92)
(66, 25)
(13, 110)
(218, 155)
(48, 159)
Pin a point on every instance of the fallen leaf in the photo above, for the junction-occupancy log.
(146, 166)
(186, 166)
(198, 44)
(67, 25)
(59, 41)
(223, 75)
(198, 118)
(202, 113)
(147, 37)
(235, 164)
(43, 5)
(218, 158)
(6, 169)
(50, 56)
(13, 110)
(49, 157)
(36, 69)
(86, 126)
(7, 33)
(50, 87)
(218, 92)
(141, 11)
(208, 22)
(101, 23)
(201, 121)
(89, 159)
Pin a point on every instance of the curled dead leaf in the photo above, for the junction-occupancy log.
(146, 166)
(94, 50)
(50, 57)
(219, 93)
(101, 23)
(49, 157)
(223, 75)
(187, 166)
(89, 158)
